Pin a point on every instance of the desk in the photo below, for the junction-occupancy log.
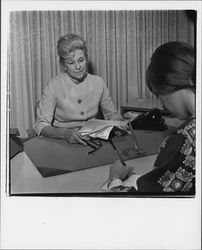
(26, 179)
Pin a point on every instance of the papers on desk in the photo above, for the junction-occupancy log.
(101, 128)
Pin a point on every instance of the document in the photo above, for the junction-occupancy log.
(101, 128)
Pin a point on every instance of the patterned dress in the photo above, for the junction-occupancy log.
(174, 168)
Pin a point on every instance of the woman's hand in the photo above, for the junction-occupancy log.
(74, 137)
(123, 129)
(118, 171)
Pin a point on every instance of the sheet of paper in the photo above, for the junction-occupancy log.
(101, 128)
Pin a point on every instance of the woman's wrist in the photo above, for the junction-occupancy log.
(67, 134)
(54, 132)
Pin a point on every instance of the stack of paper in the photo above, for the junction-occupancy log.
(101, 128)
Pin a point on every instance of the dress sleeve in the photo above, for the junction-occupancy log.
(107, 106)
(175, 165)
(116, 185)
(174, 168)
(45, 109)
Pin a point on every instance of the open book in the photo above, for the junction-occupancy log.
(97, 128)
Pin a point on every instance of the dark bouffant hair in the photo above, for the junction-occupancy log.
(172, 67)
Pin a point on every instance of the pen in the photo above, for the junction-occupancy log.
(133, 136)
(121, 159)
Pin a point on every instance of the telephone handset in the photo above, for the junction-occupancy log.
(151, 120)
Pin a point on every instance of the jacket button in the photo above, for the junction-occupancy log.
(82, 113)
(79, 101)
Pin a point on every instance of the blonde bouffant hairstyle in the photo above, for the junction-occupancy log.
(68, 43)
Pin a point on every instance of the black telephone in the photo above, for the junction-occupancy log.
(151, 120)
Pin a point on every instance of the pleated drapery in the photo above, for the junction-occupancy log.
(120, 45)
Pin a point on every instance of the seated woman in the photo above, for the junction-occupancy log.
(171, 77)
(74, 96)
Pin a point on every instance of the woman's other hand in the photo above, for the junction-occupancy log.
(74, 137)
(123, 130)
(118, 171)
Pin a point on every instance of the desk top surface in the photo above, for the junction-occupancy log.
(26, 179)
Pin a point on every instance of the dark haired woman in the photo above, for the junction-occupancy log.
(73, 96)
(171, 77)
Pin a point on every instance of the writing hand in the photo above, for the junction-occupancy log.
(118, 171)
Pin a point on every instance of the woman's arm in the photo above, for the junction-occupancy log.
(174, 167)
(57, 133)
(121, 178)
(45, 109)
(175, 164)
(70, 135)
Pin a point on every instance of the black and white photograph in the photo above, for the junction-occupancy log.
(102, 104)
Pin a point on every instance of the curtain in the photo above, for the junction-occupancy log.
(120, 44)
